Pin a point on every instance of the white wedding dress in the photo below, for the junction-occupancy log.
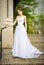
(22, 46)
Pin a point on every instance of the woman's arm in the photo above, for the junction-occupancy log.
(14, 22)
(25, 23)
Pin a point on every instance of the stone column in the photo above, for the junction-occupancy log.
(6, 7)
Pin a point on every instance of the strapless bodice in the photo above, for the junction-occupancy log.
(20, 20)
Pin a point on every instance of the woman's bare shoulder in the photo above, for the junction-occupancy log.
(24, 16)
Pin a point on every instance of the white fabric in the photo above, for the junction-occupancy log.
(22, 46)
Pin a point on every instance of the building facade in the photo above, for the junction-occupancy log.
(6, 11)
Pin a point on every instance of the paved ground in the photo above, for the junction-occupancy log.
(37, 41)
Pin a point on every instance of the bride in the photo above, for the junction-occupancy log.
(22, 46)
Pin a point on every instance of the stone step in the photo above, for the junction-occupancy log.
(21, 62)
(36, 37)
(8, 59)
(11, 59)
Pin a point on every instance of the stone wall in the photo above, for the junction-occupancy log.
(6, 10)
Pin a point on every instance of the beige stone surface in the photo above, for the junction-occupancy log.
(7, 33)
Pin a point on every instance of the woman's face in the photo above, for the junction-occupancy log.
(19, 12)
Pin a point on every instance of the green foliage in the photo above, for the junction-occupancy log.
(28, 5)
(41, 18)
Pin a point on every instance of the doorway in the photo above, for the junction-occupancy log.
(15, 2)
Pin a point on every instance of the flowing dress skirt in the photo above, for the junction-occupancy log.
(22, 46)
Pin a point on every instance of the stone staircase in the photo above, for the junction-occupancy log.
(37, 41)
